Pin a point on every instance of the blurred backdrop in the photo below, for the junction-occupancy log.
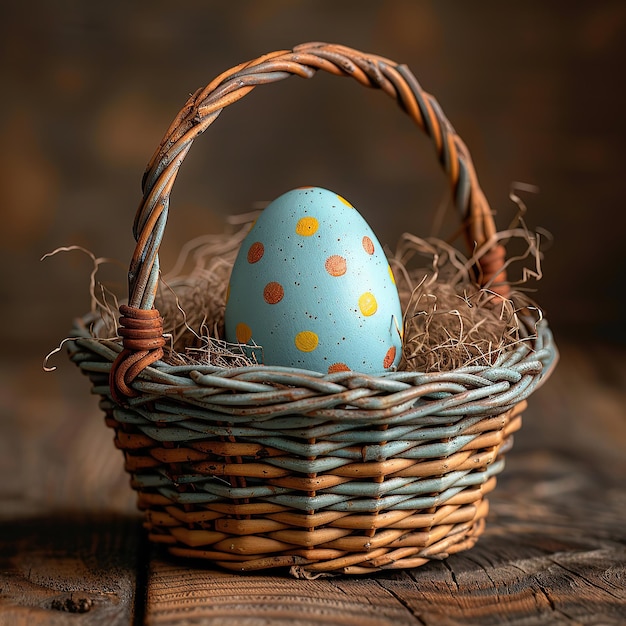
(536, 89)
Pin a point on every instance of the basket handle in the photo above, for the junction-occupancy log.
(140, 326)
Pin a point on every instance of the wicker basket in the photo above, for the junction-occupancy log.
(261, 467)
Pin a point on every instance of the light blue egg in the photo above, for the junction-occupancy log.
(312, 286)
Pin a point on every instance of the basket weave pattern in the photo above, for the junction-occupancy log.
(258, 467)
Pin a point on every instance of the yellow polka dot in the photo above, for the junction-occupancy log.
(368, 304)
(342, 199)
(393, 278)
(243, 332)
(306, 341)
(307, 226)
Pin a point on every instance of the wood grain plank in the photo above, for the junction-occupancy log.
(544, 559)
(182, 594)
(70, 540)
(554, 551)
(539, 562)
(69, 568)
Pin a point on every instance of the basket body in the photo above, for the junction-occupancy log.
(265, 467)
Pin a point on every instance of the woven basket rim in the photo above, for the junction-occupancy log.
(478, 389)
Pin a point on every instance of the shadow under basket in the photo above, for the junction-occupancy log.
(259, 467)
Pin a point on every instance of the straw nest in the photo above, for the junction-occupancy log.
(449, 321)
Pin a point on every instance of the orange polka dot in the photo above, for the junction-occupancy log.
(273, 293)
(255, 252)
(306, 341)
(307, 226)
(342, 199)
(368, 304)
(368, 245)
(390, 357)
(335, 265)
(243, 332)
(338, 367)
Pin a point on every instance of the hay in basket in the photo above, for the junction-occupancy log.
(255, 466)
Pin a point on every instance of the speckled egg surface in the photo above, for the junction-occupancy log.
(312, 286)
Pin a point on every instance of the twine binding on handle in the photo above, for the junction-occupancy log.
(142, 340)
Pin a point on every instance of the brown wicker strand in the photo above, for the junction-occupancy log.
(493, 276)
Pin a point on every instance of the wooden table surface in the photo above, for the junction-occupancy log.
(72, 550)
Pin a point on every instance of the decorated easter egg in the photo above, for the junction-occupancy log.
(312, 287)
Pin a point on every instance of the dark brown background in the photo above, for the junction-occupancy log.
(535, 89)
